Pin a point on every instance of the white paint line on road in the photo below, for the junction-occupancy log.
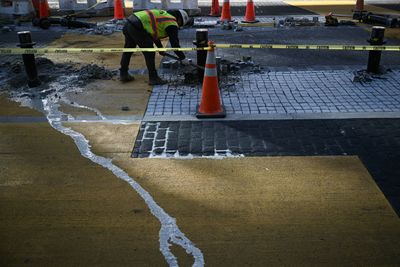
(169, 233)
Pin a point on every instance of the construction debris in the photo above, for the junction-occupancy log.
(201, 23)
(382, 19)
(106, 28)
(294, 22)
(93, 72)
(362, 76)
(227, 25)
(170, 64)
(15, 77)
(230, 67)
(227, 73)
(332, 20)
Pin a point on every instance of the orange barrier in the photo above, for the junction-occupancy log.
(210, 103)
(226, 11)
(250, 16)
(215, 8)
(118, 10)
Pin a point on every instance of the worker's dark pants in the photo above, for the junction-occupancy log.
(138, 37)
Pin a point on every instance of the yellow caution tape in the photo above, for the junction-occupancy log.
(312, 47)
(18, 51)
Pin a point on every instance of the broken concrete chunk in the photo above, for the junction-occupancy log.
(166, 64)
(246, 58)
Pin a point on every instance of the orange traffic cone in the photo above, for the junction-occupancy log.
(43, 9)
(226, 11)
(250, 16)
(118, 10)
(210, 103)
(215, 8)
(360, 5)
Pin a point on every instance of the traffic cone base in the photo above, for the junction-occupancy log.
(221, 114)
(252, 21)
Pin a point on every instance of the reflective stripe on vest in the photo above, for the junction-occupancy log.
(155, 22)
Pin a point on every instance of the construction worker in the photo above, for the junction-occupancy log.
(147, 27)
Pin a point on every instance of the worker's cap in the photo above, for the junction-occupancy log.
(182, 14)
(185, 16)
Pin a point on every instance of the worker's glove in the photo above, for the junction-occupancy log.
(162, 53)
(186, 61)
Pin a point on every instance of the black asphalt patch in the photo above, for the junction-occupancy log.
(389, 6)
(318, 35)
(375, 141)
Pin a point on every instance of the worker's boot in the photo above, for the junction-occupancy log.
(124, 76)
(154, 79)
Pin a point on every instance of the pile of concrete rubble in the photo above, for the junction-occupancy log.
(106, 28)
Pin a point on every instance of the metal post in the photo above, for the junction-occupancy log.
(25, 40)
(374, 58)
(201, 41)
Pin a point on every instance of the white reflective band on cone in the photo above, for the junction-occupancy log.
(211, 57)
(210, 72)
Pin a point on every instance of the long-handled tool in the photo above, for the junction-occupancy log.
(177, 58)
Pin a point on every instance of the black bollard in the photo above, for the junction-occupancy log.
(25, 40)
(201, 41)
(374, 58)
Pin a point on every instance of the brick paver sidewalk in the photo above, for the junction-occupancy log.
(286, 92)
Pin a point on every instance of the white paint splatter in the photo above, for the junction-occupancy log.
(169, 233)
(167, 154)
(77, 105)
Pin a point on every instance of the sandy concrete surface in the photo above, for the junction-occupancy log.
(59, 209)
(10, 108)
(110, 96)
(392, 33)
(265, 211)
(108, 60)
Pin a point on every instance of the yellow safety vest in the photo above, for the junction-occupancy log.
(155, 22)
